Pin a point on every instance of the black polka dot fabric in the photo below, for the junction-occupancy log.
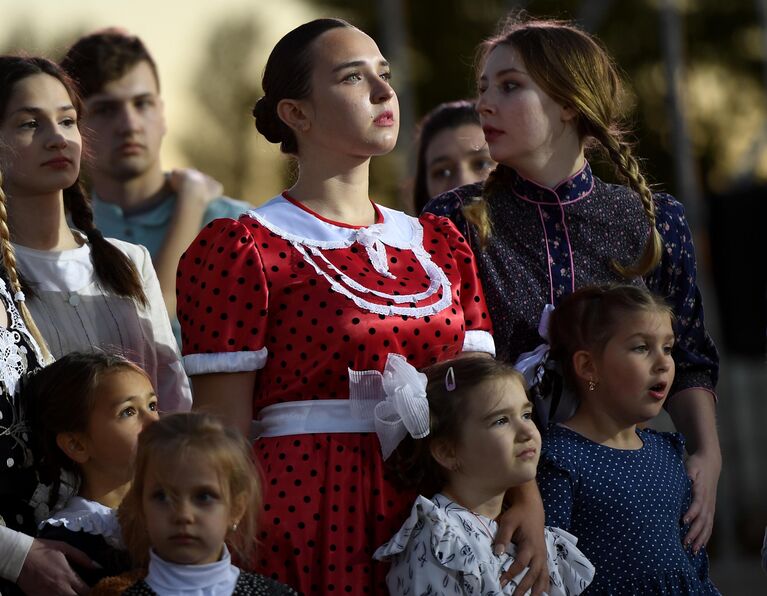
(241, 288)
(626, 508)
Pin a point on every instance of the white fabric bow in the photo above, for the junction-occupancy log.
(529, 363)
(400, 400)
(370, 238)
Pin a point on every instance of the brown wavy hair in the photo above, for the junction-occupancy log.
(574, 69)
(211, 441)
(448, 409)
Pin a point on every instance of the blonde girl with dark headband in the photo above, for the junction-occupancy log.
(543, 225)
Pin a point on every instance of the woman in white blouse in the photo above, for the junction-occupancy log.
(85, 291)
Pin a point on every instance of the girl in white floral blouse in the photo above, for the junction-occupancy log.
(468, 436)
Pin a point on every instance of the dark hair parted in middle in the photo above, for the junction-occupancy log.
(448, 409)
(447, 115)
(114, 270)
(590, 316)
(287, 75)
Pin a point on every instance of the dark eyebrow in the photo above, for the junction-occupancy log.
(115, 100)
(505, 411)
(477, 151)
(34, 110)
(503, 72)
(355, 63)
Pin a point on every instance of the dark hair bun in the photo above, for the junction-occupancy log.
(268, 123)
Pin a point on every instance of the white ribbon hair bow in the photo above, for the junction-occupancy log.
(405, 409)
(370, 238)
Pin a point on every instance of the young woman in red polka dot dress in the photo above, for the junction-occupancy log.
(279, 309)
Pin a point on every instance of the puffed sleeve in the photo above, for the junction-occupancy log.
(695, 355)
(172, 384)
(556, 483)
(427, 556)
(222, 299)
(460, 258)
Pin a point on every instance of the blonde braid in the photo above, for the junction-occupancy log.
(622, 157)
(9, 260)
(477, 213)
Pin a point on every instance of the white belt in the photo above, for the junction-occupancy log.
(312, 416)
(390, 405)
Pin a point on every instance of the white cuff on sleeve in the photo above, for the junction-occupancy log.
(14, 547)
(225, 362)
(479, 341)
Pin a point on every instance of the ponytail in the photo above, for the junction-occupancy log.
(9, 260)
(113, 269)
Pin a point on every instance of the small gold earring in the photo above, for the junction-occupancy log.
(234, 526)
(592, 385)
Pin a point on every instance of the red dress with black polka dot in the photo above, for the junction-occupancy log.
(301, 300)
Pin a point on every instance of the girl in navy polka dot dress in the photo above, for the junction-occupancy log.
(469, 436)
(621, 489)
(283, 309)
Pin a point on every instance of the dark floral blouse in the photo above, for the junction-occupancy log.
(546, 242)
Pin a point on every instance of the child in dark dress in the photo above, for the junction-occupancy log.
(87, 412)
(621, 489)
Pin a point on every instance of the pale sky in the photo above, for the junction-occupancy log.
(175, 32)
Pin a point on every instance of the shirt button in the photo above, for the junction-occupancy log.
(74, 300)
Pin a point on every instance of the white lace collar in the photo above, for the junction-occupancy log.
(213, 579)
(91, 517)
(293, 223)
(311, 235)
(14, 360)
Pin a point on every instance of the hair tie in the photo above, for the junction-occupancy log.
(19, 296)
(450, 379)
(94, 234)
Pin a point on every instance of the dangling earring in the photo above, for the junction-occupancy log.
(592, 385)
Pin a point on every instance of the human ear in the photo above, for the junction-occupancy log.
(73, 446)
(294, 113)
(568, 113)
(238, 507)
(585, 367)
(444, 454)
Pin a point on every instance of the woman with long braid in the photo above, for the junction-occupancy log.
(543, 225)
(85, 291)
